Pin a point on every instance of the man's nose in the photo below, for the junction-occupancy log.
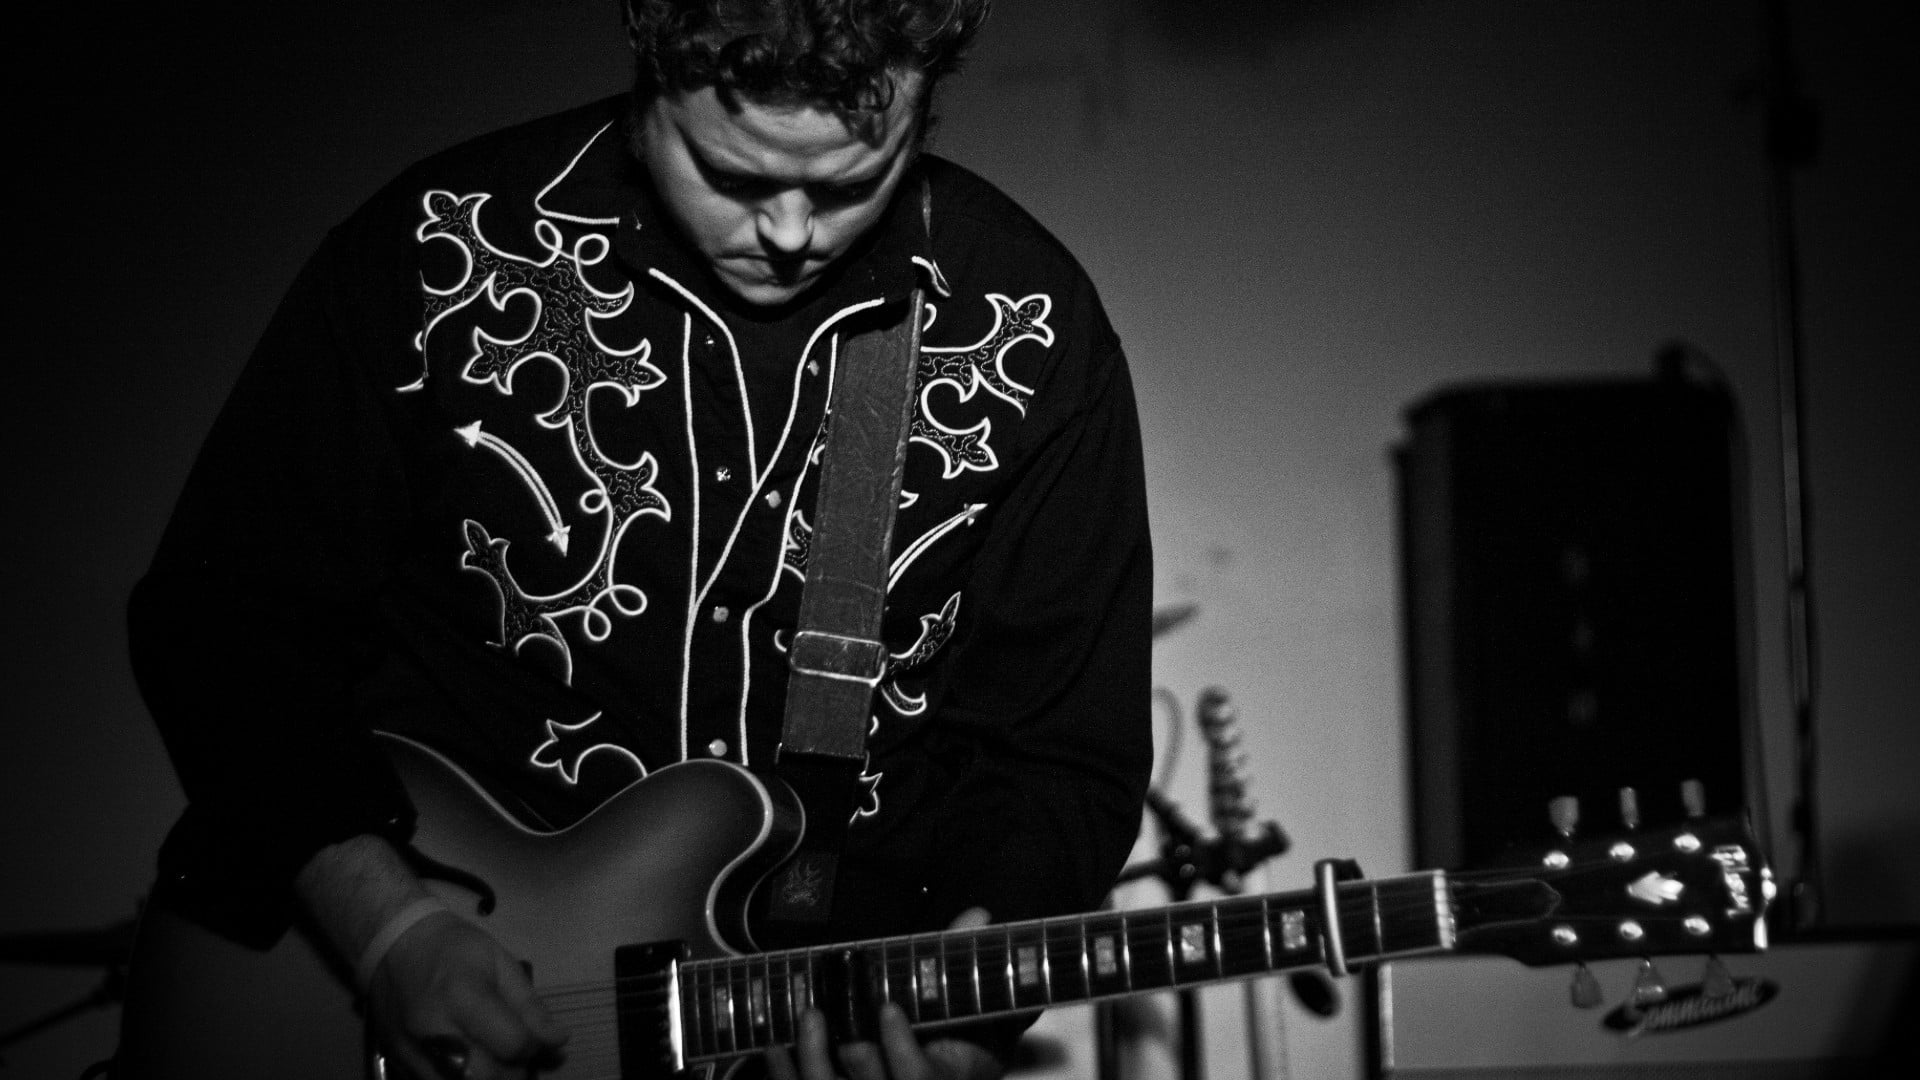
(786, 222)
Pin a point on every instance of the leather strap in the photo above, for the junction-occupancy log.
(836, 657)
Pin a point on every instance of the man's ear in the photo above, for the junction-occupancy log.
(626, 19)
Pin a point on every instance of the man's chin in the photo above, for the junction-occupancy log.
(766, 291)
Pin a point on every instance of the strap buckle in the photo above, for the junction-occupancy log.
(838, 656)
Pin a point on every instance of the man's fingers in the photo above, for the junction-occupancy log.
(495, 1031)
(863, 1061)
(906, 1059)
(811, 1049)
(780, 1064)
(971, 918)
(517, 990)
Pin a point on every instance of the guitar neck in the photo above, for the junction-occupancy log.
(738, 1004)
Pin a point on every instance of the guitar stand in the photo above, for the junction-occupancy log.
(1187, 859)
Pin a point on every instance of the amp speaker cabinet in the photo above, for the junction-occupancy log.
(1805, 1010)
(1572, 601)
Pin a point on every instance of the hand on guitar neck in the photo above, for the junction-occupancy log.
(445, 999)
(898, 1054)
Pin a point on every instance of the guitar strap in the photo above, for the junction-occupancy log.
(837, 657)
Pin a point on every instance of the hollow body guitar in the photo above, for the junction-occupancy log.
(634, 924)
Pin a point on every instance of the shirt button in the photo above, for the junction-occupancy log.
(773, 499)
(720, 613)
(723, 474)
(718, 748)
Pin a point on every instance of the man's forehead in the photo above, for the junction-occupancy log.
(744, 131)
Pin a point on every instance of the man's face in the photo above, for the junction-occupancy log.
(773, 194)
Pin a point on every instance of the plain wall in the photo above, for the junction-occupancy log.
(1302, 217)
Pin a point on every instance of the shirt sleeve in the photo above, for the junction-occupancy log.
(253, 625)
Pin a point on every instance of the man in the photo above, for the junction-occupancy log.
(523, 470)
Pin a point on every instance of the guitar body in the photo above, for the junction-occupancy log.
(674, 857)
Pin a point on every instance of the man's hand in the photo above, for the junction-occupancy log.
(899, 1055)
(446, 1000)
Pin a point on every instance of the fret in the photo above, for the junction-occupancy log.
(993, 970)
(1245, 938)
(703, 1007)
(886, 981)
(1066, 945)
(737, 995)
(1106, 952)
(973, 968)
(1086, 962)
(916, 983)
(1013, 993)
(800, 990)
(1027, 965)
(1219, 959)
(780, 997)
(1192, 946)
(928, 978)
(759, 1001)
(725, 1035)
(1173, 967)
(1266, 934)
(1149, 953)
(946, 988)
(1379, 934)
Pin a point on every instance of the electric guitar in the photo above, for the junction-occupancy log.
(634, 924)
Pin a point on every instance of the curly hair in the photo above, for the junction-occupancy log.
(844, 53)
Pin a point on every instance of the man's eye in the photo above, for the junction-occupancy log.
(845, 193)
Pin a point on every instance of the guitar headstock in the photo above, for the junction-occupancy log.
(1698, 887)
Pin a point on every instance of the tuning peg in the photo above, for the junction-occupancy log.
(1585, 991)
(1716, 981)
(1648, 987)
(1564, 812)
(1693, 796)
(1629, 809)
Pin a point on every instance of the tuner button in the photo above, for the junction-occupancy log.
(1557, 860)
(1629, 808)
(1697, 926)
(1648, 987)
(1585, 991)
(1631, 931)
(1564, 812)
(1621, 852)
(1693, 795)
(1565, 936)
(1687, 842)
(1716, 981)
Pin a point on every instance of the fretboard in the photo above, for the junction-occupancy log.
(740, 1004)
